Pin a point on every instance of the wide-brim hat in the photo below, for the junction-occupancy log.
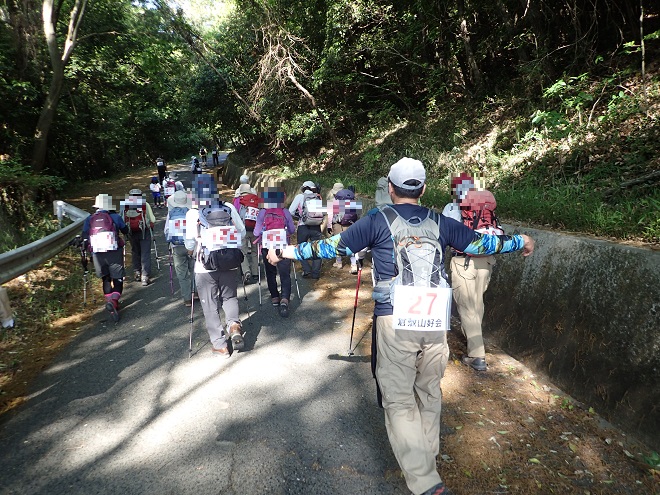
(338, 186)
(244, 189)
(179, 200)
(104, 202)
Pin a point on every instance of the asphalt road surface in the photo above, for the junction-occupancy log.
(124, 410)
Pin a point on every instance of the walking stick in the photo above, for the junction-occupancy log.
(153, 238)
(169, 248)
(357, 289)
(192, 317)
(259, 267)
(295, 277)
(247, 304)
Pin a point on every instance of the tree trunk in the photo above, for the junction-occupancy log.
(58, 60)
(476, 77)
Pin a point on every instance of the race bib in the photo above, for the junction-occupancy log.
(341, 206)
(176, 227)
(169, 191)
(274, 239)
(315, 206)
(424, 309)
(221, 238)
(160, 164)
(251, 213)
(102, 242)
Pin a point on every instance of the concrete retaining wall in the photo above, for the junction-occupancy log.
(584, 312)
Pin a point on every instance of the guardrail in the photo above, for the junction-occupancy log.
(19, 261)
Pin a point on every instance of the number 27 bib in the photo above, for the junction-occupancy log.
(425, 309)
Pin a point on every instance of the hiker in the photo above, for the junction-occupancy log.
(101, 233)
(244, 179)
(140, 219)
(155, 187)
(182, 250)
(382, 196)
(162, 169)
(171, 184)
(470, 275)
(409, 361)
(309, 225)
(215, 264)
(202, 155)
(341, 219)
(461, 183)
(6, 314)
(214, 156)
(273, 216)
(195, 167)
(247, 205)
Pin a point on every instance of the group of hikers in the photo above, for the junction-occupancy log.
(213, 244)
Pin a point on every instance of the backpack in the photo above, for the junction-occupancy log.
(102, 233)
(249, 210)
(135, 216)
(274, 219)
(418, 254)
(213, 256)
(350, 215)
(176, 225)
(170, 188)
(478, 212)
(311, 217)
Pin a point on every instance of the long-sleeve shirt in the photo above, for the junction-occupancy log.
(372, 231)
(120, 225)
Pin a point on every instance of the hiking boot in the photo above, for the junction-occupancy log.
(354, 269)
(284, 308)
(137, 275)
(145, 280)
(237, 341)
(187, 304)
(478, 364)
(247, 279)
(112, 305)
(306, 275)
(222, 352)
(275, 301)
(439, 489)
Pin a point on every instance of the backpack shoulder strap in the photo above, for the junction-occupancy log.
(390, 214)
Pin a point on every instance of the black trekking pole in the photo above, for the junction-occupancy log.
(247, 304)
(357, 289)
(169, 248)
(259, 267)
(153, 238)
(295, 277)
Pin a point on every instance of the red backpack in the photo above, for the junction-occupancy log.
(478, 212)
(135, 218)
(274, 219)
(249, 209)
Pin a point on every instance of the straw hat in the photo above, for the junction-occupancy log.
(104, 202)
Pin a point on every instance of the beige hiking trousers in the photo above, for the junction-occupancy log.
(468, 287)
(409, 368)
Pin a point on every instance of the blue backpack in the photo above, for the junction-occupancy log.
(176, 225)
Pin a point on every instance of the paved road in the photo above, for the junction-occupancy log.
(125, 411)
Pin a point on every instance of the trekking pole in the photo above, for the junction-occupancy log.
(155, 248)
(247, 304)
(259, 268)
(169, 248)
(192, 317)
(357, 289)
(295, 277)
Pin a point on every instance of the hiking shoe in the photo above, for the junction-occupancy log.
(222, 352)
(275, 301)
(113, 310)
(306, 275)
(137, 275)
(439, 489)
(145, 280)
(255, 278)
(187, 303)
(478, 364)
(284, 308)
(337, 264)
(237, 341)
(354, 269)
(247, 279)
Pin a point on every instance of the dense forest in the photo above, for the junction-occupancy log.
(556, 102)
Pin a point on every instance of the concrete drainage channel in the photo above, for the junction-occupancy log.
(583, 312)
